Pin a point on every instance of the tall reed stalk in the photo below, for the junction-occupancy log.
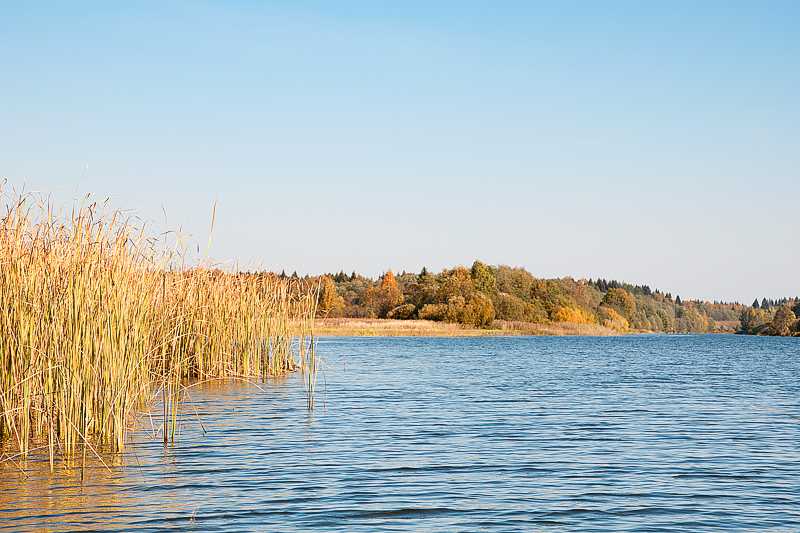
(96, 322)
(309, 362)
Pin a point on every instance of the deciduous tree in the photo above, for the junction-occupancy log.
(483, 278)
(329, 303)
(620, 301)
(784, 317)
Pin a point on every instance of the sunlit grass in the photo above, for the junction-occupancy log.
(97, 320)
(373, 327)
(554, 328)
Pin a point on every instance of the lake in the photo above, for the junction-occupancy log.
(631, 433)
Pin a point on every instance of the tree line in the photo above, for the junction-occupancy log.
(480, 294)
(776, 318)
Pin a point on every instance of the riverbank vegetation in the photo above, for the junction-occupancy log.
(780, 319)
(380, 327)
(482, 294)
(98, 322)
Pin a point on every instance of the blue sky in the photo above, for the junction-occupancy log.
(651, 142)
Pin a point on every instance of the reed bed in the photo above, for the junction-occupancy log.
(98, 321)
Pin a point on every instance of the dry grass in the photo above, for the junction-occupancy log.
(96, 323)
(727, 326)
(556, 328)
(375, 327)
(361, 327)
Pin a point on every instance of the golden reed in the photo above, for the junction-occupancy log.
(96, 323)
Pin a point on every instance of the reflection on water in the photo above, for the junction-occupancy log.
(62, 501)
(647, 433)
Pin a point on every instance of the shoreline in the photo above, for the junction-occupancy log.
(385, 327)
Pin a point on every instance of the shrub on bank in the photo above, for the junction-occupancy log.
(508, 307)
(402, 312)
(574, 314)
(611, 319)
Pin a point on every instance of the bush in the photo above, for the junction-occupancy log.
(433, 312)
(478, 311)
(611, 319)
(508, 307)
(573, 314)
(402, 312)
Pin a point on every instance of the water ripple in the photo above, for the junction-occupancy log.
(645, 433)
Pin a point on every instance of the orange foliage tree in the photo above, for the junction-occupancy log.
(611, 319)
(329, 303)
(384, 298)
(574, 314)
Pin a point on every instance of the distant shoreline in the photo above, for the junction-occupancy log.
(385, 327)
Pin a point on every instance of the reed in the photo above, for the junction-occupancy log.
(97, 321)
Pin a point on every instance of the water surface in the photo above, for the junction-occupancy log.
(634, 433)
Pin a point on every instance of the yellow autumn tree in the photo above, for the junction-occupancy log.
(390, 292)
(573, 314)
(784, 317)
(611, 319)
(330, 304)
(620, 301)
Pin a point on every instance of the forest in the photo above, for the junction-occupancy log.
(775, 318)
(482, 294)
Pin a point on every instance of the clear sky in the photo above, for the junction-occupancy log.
(652, 142)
